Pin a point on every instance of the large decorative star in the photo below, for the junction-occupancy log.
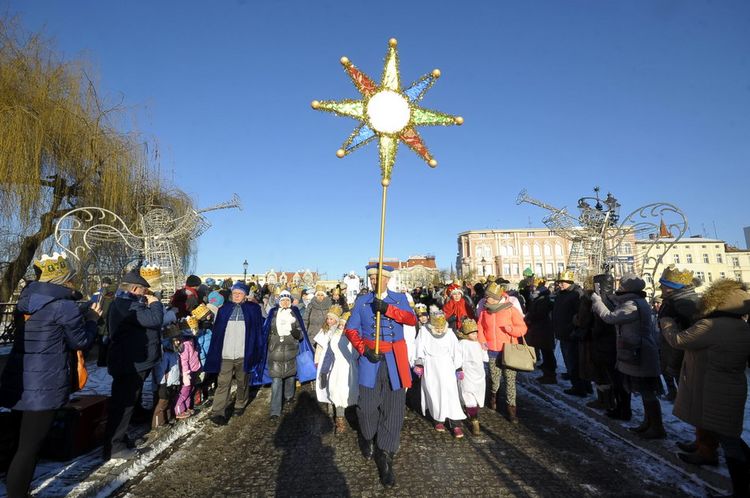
(388, 112)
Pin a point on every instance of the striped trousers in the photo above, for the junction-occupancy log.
(381, 411)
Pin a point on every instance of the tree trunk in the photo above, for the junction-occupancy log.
(17, 268)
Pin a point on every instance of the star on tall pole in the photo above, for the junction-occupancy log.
(391, 114)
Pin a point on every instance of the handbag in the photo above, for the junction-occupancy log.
(519, 356)
(306, 370)
(78, 372)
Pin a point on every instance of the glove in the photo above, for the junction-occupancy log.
(460, 374)
(418, 371)
(186, 380)
(379, 305)
(452, 320)
(595, 298)
(370, 355)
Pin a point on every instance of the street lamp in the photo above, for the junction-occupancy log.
(244, 266)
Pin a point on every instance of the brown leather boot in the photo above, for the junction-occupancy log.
(475, 429)
(340, 425)
(493, 401)
(512, 414)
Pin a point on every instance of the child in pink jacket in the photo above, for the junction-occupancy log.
(190, 364)
(500, 323)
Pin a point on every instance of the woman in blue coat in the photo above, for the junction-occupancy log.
(36, 380)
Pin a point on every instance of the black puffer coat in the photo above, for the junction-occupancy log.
(565, 308)
(282, 351)
(540, 334)
(682, 307)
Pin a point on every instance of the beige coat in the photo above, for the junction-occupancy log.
(713, 386)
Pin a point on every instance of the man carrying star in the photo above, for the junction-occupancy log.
(383, 377)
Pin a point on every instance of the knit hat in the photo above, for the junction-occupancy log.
(216, 299)
(54, 269)
(630, 282)
(285, 294)
(193, 281)
(457, 290)
(240, 286)
(210, 282)
(675, 278)
(528, 272)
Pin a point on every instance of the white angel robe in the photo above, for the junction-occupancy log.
(440, 357)
(337, 381)
(410, 337)
(473, 386)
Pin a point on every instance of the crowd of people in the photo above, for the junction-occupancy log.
(445, 351)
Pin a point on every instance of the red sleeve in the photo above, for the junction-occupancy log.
(355, 339)
(448, 309)
(401, 316)
(519, 325)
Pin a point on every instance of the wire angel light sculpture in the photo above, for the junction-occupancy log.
(157, 240)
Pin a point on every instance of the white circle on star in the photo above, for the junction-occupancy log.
(388, 112)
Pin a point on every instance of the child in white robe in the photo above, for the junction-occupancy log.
(473, 385)
(438, 362)
(337, 382)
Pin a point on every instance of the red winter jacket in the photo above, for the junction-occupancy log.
(459, 309)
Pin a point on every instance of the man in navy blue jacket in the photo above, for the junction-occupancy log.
(234, 351)
(134, 320)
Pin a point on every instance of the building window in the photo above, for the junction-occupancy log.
(538, 268)
(537, 250)
(703, 247)
(550, 269)
(705, 258)
(738, 276)
(677, 259)
(482, 235)
(526, 251)
(547, 250)
(558, 250)
(710, 277)
(701, 275)
(722, 275)
(719, 259)
(511, 251)
(689, 258)
(560, 267)
(627, 248)
(516, 269)
(529, 234)
(735, 261)
(506, 269)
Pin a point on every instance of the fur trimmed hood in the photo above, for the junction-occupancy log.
(726, 296)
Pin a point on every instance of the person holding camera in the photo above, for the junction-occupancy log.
(637, 353)
(135, 319)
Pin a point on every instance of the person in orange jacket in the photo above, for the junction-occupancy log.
(500, 323)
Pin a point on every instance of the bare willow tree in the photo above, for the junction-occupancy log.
(60, 148)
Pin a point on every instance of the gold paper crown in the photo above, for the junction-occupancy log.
(438, 321)
(468, 326)
(495, 288)
(673, 274)
(192, 323)
(150, 272)
(53, 267)
(336, 310)
(320, 288)
(566, 275)
(200, 311)
(346, 315)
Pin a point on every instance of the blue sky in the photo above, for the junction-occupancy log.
(648, 99)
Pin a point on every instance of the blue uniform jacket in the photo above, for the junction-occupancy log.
(363, 321)
(253, 326)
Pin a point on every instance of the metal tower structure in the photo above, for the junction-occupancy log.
(597, 232)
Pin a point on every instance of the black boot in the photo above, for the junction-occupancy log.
(366, 446)
(384, 461)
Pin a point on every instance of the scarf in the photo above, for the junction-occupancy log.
(494, 308)
(284, 321)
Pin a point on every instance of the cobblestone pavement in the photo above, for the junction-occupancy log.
(541, 456)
